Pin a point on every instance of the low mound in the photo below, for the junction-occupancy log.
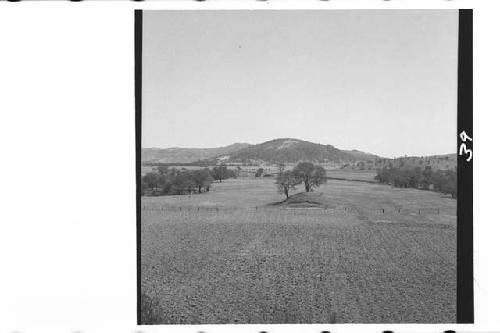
(305, 200)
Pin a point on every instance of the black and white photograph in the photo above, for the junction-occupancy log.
(298, 166)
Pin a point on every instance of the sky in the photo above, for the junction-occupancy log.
(379, 81)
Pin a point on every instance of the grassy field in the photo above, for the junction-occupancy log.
(352, 174)
(371, 254)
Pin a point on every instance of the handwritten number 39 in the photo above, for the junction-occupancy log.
(463, 147)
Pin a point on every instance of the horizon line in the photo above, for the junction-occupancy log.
(342, 149)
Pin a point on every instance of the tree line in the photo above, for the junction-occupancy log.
(305, 172)
(444, 181)
(169, 181)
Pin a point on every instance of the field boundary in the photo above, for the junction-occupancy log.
(380, 211)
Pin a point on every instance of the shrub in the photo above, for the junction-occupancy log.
(444, 182)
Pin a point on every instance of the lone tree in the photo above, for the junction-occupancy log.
(286, 181)
(312, 175)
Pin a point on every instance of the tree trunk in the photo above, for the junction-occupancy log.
(199, 188)
(286, 192)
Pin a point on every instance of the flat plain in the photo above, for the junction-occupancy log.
(356, 253)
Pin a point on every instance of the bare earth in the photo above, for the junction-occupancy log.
(228, 256)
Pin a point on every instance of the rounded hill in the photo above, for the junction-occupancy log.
(288, 150)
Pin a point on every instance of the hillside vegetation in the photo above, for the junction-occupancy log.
(291, 151)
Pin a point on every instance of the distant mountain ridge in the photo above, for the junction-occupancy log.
(186, 155)
(283, 150)
(289, 150)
